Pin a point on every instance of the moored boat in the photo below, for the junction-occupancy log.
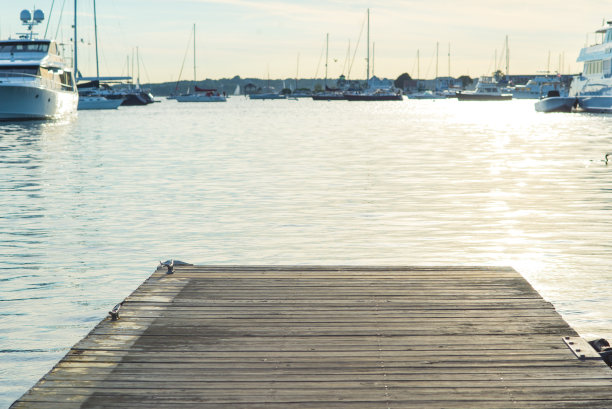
(538, 87)
(487, 89)
(199, 94)
(377, 95)
(95, 94)
(373, 92)
(202, 95)
(267, 95)
(329, 96)
(593, 87)
(554, 102)
(35, 80)
(426, 95)
(97, 102)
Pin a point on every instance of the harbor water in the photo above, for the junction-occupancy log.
(91, 204)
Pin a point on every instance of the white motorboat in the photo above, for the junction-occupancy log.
(487, 89)
(35, 80)
(376, 95)
(267, 95)
(95, 94)
(426, 95)
(538, 87)
(554, 102)
(98, 102)
(593, 87)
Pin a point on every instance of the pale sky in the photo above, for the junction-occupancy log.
(252, 38)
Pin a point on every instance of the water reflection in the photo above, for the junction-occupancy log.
(91, 205)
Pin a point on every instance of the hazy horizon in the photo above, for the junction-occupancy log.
(265, 38)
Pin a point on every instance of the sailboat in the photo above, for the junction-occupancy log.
(91, 95)
(269, 94)
(427, 94)
(200, 94)
(373, 94)
(329, 94)
(299, 93)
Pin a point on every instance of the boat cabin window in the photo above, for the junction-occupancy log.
(593, 67)
(15, 71)
(66, 79)
(24, 47)
(608, 38)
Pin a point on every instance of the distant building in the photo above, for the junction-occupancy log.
(250, 88)
(436, 84)
(378, 83)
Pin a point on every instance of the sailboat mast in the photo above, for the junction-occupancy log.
(437, 54)
(348, 58)
(368, 59)
(138, 65)
(76, 70)
(48, 20)
(373, 56)
(507, 59)
(297, 71)
(418, 69)
(194, 56)
(449, 72)
(326, 56)
(132, 65)
(96, 39)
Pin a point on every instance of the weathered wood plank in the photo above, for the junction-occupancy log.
(334, 337)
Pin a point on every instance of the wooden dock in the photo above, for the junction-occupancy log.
(328, 337)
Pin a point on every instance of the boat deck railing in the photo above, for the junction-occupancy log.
(32, 80)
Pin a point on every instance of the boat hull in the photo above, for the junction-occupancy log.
(426, 96)
(555, 104)
(329, 97)
(596, 104)
(131, 97)
(267, 96)
(86, 103)
(366, 97)
(462, 96)
(20, 102)
(200, 98)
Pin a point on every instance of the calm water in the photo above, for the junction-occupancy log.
(91, 204)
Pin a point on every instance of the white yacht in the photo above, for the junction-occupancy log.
(426, 95)
(487, 89)
(35, 81)
(593, 87)
(538, 87)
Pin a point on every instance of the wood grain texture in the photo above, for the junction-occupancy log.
(328, 337)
